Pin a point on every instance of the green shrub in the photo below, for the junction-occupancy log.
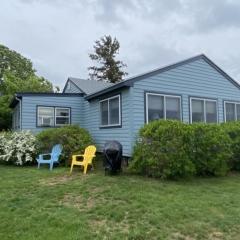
(162, 150)
(73, 139)
(172, 149)
(233, 131)
(210, 149)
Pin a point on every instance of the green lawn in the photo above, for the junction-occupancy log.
(38, 204)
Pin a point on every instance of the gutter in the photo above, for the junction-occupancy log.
(20, 109)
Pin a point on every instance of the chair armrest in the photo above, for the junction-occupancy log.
(45, 154)
(42, 155)
(78, 155)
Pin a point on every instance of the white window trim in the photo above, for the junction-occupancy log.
(235, 109)
(204, 107)
(55, 116)
(119, 109)
(164, 103)
(38, 108)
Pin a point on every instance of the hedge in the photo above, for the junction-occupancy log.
(233, 131)
(210, 149)
(172, 149)
(73, 138)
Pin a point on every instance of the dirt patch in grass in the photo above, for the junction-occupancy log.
(86, 203)
(80, 202)
(109, 226)
(180, 236)
(216, 235)
(57, 180)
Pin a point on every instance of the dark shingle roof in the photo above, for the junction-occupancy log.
(89, 86)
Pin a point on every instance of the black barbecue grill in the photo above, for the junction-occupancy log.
(113, 157)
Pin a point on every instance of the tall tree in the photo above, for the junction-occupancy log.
(109, 69)
(14, 62)
(16, 75)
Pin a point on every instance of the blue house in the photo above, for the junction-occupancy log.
(193, 90)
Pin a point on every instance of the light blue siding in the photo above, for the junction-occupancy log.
(30, 103)
(101, 135)
(197, 78)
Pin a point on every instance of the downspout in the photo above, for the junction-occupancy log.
(20, 109)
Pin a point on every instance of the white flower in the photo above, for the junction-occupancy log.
(17, 147)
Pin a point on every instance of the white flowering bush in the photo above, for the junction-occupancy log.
(17, 147)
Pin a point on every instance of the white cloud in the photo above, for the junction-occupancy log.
(58, 35)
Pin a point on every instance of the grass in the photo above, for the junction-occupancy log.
(38, 204)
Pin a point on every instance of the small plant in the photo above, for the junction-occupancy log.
(73, 139)
(17, 147)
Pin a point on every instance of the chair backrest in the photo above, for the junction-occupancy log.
(56, 151)
(89, 153)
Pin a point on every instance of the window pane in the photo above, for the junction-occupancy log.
(238, 112)
(155, 107)
(211, 112)
(62, 120)
(104, 112)
(197, 110)
(46, 111)
(173, 108)
(62, 112)
(45, 116)
(62, 116)
(114, 111)
(230, 111)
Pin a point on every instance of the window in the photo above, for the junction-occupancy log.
(110, 112)
(232, 111)
(62, 116)
(46, 116)
(160, 106)
(52, 116)
(203, 110)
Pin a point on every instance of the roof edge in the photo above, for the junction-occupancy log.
(14, 100)
(108, 89)
(130, 81)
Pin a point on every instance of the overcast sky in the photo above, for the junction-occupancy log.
(58, 35)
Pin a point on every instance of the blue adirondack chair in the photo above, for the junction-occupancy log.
(54, 156)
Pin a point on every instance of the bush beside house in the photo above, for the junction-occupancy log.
(162, 150)
(73, 138)
(233, 131)
(172, 149)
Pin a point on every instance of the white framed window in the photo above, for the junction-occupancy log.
(52, 116)
(62, 116)
(110, 112)
(231, 111)
(203, 110)
(45, 117)
(162, 106)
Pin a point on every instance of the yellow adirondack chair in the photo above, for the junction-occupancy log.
(88, 156)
